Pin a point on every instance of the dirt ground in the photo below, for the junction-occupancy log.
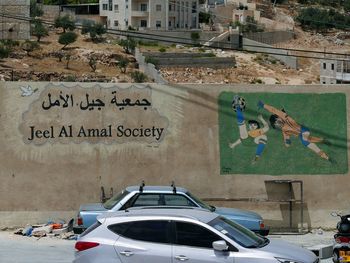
(45, 59)
(250, 69)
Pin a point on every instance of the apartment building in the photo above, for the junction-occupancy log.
(150, 14)
(334, 71)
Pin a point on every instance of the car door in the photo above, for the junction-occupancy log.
(193, 244)
(145, 241)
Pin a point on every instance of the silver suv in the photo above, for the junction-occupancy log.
(158, 235)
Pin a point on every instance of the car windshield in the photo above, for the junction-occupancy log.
(200, 202)
(110, 203)
(238, 233)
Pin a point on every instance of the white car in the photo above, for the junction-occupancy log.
(160, 235)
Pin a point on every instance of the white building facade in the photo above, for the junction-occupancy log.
(150, 14)
(334, 71)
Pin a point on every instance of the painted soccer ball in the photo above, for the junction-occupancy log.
(238, 102)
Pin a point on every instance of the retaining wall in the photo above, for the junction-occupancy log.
(58, 150)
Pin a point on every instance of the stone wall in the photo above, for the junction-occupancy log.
(58, 150)
(12, 28)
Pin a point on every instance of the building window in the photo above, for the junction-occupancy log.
(116, 8)
(332, 66)
(158, 7)
(116, 23)
(169, 7)
(187, 7)
(126, 6)
(194, 7)
(182, 6)
(143, 7)
(143, 23)
(105, 7)
(110, 5)
(324, 66)
(158, 24)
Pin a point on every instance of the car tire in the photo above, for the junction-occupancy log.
(335, 256)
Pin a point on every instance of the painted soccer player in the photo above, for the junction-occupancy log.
(289, 127)
(255, 132)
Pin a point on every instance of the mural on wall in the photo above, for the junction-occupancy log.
(95, 115)
(276, 134)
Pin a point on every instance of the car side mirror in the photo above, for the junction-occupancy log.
(220, 245)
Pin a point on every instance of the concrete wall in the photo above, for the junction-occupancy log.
(191, 60)
(149, 69)
(51, 175)
(255, 46)
(11, 28)
(270, 38)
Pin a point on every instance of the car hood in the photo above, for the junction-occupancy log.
(92, 207)
(282, 249)
(233, 213)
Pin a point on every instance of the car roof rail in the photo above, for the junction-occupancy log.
(142, 185)
(164, 207)
(173, 186)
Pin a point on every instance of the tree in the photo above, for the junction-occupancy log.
(35, 9)
(93, 63)
(123, 64)
(39, 30)
(67, 38)
(96, 30)
(65, 22)
(4, 51)
(128, 45)
(195, 37)
(204, 17)
(67, 57)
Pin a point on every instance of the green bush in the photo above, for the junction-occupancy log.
(30, 46)
(67, 38)
(4, 51)
(96, 30)
(138, 76)
(151, 60)
(148, 43)
(162, 49)
(318, 19)
(64, 22)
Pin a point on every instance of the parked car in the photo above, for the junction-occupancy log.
(136, 196)
(151, 235)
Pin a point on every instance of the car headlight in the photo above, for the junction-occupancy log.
(285, 260)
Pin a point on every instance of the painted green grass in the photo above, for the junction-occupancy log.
(323, 114)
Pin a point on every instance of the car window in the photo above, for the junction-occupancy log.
(199, 202)
(177, 200)
(151, 230)
(109, 204)
(148, 200)
(238, 233)
(188, 234)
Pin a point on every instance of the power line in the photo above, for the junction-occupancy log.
(187, 41)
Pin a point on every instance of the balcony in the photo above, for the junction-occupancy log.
(136, 13)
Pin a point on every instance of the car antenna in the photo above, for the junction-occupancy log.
(141, 186)
(173, 186)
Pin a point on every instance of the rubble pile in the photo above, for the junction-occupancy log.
(59, 229)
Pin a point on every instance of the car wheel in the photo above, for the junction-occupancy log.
(335, 257)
